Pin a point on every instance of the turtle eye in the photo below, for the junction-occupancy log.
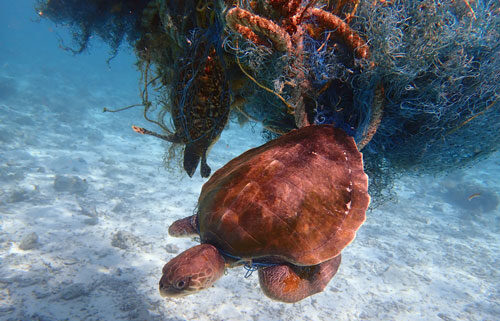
(181, 284)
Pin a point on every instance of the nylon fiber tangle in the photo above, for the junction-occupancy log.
(423, 99)
(416, 83)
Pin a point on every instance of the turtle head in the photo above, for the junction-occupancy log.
(194, 269)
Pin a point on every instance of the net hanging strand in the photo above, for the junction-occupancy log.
(289, 107)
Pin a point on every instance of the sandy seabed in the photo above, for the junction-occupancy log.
(85, 204)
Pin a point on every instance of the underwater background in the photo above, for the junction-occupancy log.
(85, 204)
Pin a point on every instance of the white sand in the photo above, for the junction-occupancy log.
(100, 251)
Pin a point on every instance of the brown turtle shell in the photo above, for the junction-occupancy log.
(299, 198)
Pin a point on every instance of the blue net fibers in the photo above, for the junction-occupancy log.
(436, 63)
(205, 44)
(197, 83)
(249, 265)
(439, 64)
(111, 20)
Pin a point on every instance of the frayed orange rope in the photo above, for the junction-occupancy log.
(289, 107)
(278, 36)
(343, 32)
(470, 8)
(376, 116)
(351, 14)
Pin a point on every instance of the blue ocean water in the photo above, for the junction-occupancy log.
(85, 204)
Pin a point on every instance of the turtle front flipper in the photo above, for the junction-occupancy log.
(172, 138)
(185, 227)
(291, 283)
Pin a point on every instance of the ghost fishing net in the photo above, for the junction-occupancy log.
(112, 21)
(416, 83)
(425, 101)
(184, 44)
(296, 64)
(304, 59)
(439, 62)
(185, 91)
(257, 83)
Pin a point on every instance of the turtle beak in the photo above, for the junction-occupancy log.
(171, 291)
(163, 293)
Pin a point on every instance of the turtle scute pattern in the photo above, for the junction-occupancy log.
(201, 98)
(298, 199)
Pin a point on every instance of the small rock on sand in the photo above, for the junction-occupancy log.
(124, 240)
(71, 184)
(172, 248)
(29, 242)
(73, 291)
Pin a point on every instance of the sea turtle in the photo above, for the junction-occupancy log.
(182, 39)
(288, 208)
(200, 109)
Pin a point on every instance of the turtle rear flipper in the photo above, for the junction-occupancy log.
(291, 283)
(191, 159)
(204, 168)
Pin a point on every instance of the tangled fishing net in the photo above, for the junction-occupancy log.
(416, 83)
(439, 62)
(112, 21)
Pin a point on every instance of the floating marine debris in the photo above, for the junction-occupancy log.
(193, 75)
(415, 83)
(201, 112)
